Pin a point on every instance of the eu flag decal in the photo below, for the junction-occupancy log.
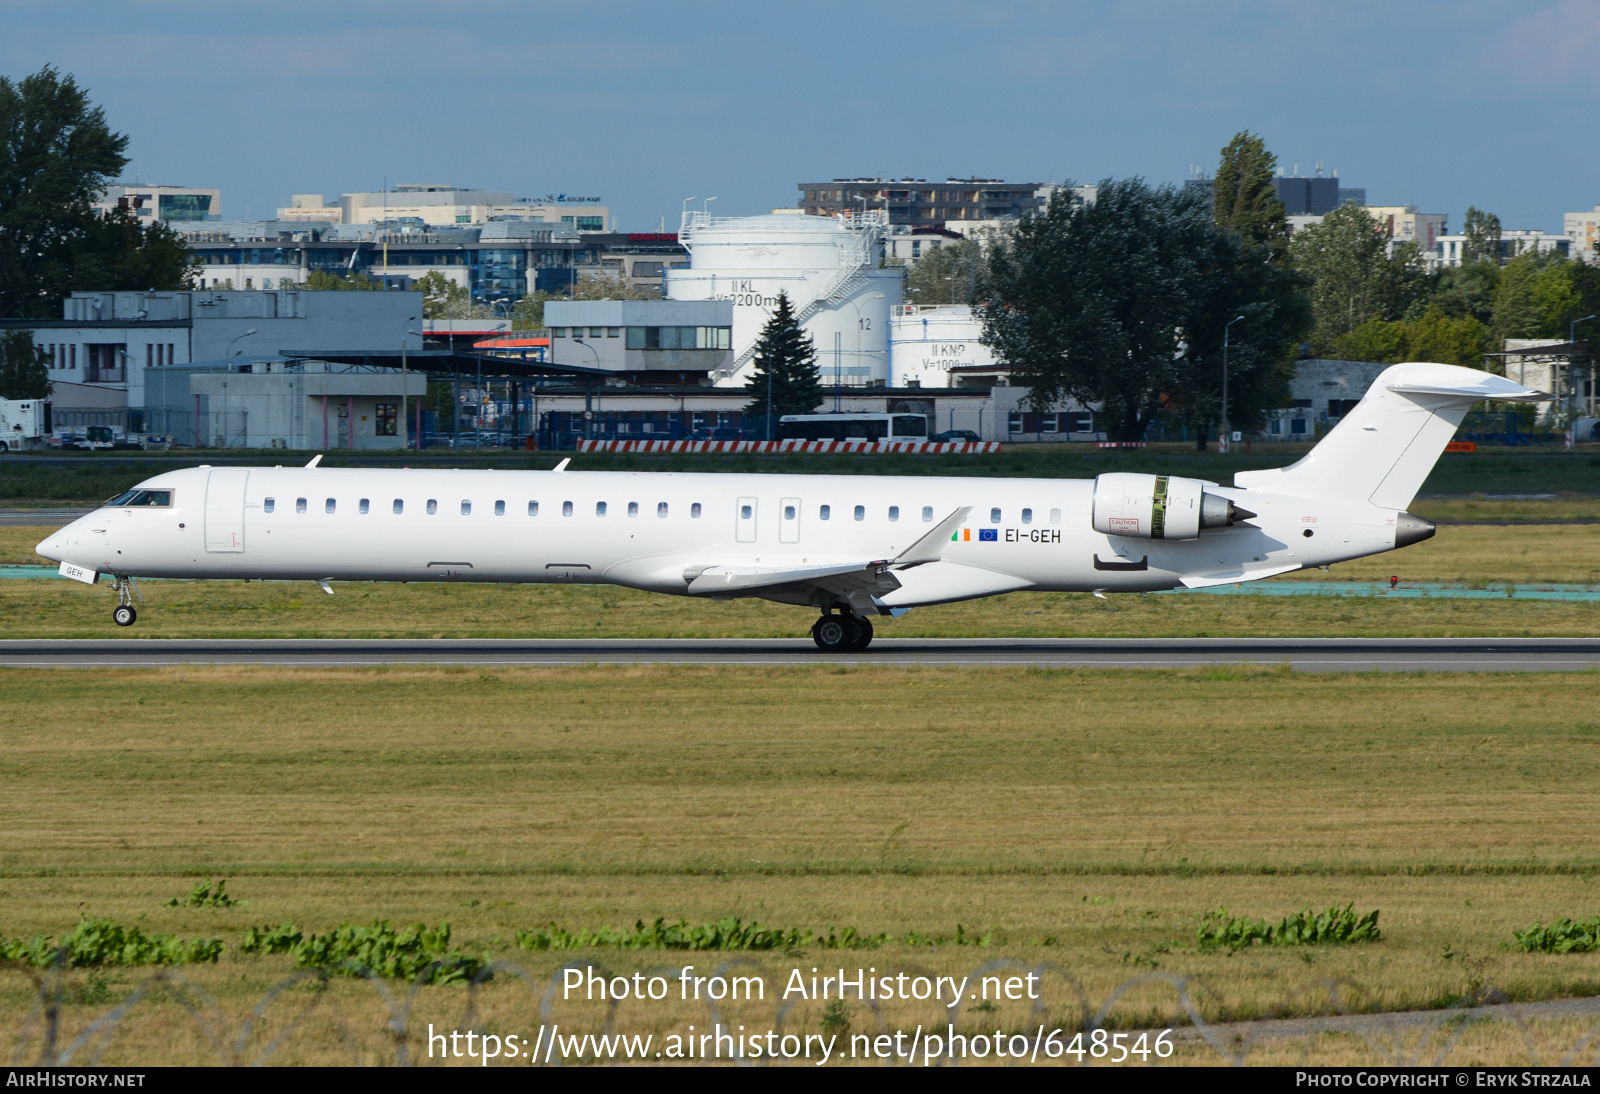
(988, 535)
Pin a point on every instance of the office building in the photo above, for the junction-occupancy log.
(441, 206)
(923, 203)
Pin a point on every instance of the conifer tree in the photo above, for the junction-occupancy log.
(785, 380)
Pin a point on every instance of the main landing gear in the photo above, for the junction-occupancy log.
(841, 633)
(124, 614)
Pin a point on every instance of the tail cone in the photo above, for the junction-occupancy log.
(1409, 529)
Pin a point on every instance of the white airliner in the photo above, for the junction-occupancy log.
(851, 546)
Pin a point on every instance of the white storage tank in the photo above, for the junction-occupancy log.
(828, 266)
(927, 341)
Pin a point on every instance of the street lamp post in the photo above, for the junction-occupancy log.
(403, 335)
(1227, 432)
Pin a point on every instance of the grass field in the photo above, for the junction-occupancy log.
(1527, 554)
(1086, 819)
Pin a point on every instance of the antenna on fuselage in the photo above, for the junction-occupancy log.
(315, 460)
(562, 466)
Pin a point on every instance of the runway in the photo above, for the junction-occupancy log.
(1300, 654)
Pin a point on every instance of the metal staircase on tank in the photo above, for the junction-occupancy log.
(857, 256)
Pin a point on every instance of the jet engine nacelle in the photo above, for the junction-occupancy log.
(1159, 507)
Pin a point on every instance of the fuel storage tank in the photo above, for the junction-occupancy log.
(828, 266)
(928, 341)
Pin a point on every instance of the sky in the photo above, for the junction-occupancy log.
(1441, 105)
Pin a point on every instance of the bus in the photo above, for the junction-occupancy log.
(853, 427)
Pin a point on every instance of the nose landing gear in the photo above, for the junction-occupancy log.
(123, 615)
(841, 633)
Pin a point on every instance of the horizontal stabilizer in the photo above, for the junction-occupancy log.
(1385, 446)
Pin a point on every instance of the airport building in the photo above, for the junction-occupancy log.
(110, 342)
(442, 206)
(645, 341)
(829, 266)
(171, 204)
(496, 262)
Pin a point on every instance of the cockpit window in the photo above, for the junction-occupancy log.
(162, 498)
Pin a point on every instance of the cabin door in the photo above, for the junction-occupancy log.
(789, 520)
(225, 510)
(745, 521)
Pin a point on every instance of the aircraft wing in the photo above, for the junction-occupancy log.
(856, 582)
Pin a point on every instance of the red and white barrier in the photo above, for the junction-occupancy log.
(951, 449)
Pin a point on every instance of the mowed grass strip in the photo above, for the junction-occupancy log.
(58, 608)
(681, 770)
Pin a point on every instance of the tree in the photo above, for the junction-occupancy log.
(786, 379)
(946, 274)
(1433, 336)
(115, 251)
(611, 287)
(1244, 198)
(57, 155)
(24, 370)
(1354, 277)
(1483, 238)
(357, 281)
(1121, 304)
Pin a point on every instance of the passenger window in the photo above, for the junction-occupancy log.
(1027, 516)
(499, 508)
(788, 512)
(599, 508)
(744, 512)
(365, 506)
(661, 509)
(329, 506)
(927, 514)
(1055, 516)
(533, 508)
(894, 512)
(466, 508)
(299, 505)
(825, 512)
(994, 516)
(268, 505)
(399, 507)
(694, 511)
(433, 507)
(861, 512)
(566, 508)
(633, 508)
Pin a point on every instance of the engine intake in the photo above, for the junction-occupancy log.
(1159, 507)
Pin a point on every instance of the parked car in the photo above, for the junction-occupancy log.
(955, 436)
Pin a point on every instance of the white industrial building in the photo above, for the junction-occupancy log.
(831, 269)
(928, 344)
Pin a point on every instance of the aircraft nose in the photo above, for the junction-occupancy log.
(54, 548)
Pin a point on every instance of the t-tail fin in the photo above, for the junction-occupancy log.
(1383, 449)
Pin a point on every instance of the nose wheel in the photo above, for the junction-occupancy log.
(841, 633)
(123, 615)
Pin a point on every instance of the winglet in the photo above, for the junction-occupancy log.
(315, 460)
(562, 466)
(931, 546)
